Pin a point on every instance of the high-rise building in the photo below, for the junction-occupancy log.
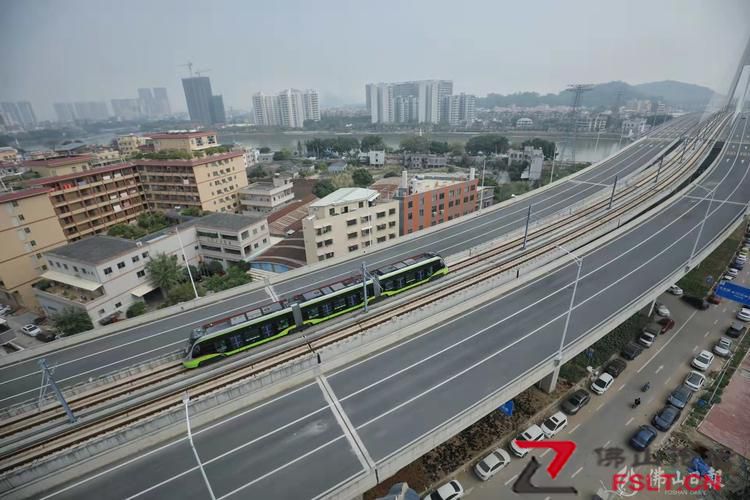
(126, 109)
(162, 102)
(26, 113)
(290, 108)
(91, 111)
(218, 115)
(65, 112)
(147, 103)
(457, 109)
(11, 115)
(404, 102)
(199, 98)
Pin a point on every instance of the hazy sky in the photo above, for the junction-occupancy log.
(70, 50)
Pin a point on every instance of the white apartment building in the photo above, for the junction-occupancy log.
(262, 198)
(348, 221)
(289, 108)
(130, 144)
(403, 102)
(458, 109)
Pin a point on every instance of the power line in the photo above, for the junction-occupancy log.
(578, 89)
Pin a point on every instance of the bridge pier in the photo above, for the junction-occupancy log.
(549, 383)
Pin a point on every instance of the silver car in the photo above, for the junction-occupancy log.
(492, 464)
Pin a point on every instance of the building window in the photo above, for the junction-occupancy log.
(392, 211)
(141, 273)
(381, 239)
(120, 265)
(33, 243)
(75, 268)
(351, 236)
(410, 205)
(14, 203)
(101, 312)
(21, 217)
(107, 271)
(353, 248)
(329, 255)
(320, 244)
(26, 230)
(392, 236)
(65, 266)
(351, 222)
(245, 234)
(135, 259)
(144, 254)
(380, 215)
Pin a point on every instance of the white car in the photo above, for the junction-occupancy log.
(727, 277)
(695, 380)
(601, 384)
(451, 490)
(703, 360)
(646, 339)
(4, 309)
(662, 310)
(554, 424)
(31, 330)
(723, 347)
(733, 272)
(533, 433)
(492, 464)
(675, 290)
(743, 314)
(741, 258)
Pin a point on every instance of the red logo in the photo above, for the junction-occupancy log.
(563, 450)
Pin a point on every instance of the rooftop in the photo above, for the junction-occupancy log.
(25, 193)
(94, 249)
(58, 161)
(183, 134)
(232, 222)
(346, 195)
(188, 163)
(101, 170)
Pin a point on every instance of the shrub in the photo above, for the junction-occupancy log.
(136, 309)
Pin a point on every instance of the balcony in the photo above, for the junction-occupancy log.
(68, 287)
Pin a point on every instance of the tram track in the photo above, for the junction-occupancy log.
(99, 425)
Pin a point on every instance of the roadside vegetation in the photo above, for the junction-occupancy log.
(695, 282)
(72, 320)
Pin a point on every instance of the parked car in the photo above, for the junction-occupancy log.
(491, 464)
(666, 418)
(45, 336)
(675, 290)
(733, 272)
(662, 310)
(666, 324)
(723, 347)
(714, 299)
(533, 433)
(576, 401)
(631, 351)
(615, 367)
(727, 277)
(452, 490)
(736, 329)
(31, 330)
(554, 424)
(680, 397)
(602, 383)
(695, 380)
(739, 264)
(743, 314)
(643, 437)
(39, 320)
(703, 360)
(697, 302)
(5, 309)
(647, 339)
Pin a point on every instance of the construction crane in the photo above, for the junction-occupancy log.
(189, 66)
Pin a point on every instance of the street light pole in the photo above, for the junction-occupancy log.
(481, 193)
(186, 400)
(579, 262)
(700, 230)
(187, 263)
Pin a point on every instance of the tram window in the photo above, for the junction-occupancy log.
(235, 341)
(267, 330)
(282, 324)
(420, 274)
(251, 334)
(339, 303)
(196, 350)
(312, 312)
(353, 299)
(220, 345)
(326, 308)
(400, 282)
(388, 285)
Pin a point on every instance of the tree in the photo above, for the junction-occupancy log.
(457, 149)
(127, 231)
(342, 180)
(264, 149)
(372, 143)
(361, 177)
(284, 154)
(439, 148)
(212, 267)
(234, 276)
(487, 143)
(191, 212)
(415, 144)
(136, 309)
(392, 173)
(72, 320)
(181, 293)
(323, 188)
(193, 270)
(257, 172)
(164, 272)
(547, 147)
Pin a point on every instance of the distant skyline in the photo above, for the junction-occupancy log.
(85, 50)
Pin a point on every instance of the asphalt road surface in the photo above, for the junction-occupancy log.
(297, 445)
(20, 382)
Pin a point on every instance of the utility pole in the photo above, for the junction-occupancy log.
(187, 263)
(612, 197)
(526, 231)
(364, 283)
(578, 89)
(48, 379)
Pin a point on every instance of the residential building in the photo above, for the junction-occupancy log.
(28, 227)
(130, 144)
(65, 112)
(634, 126)
(376, 158)
(524, 123)
(91, 111)
(199, 98)
(63, 165)
(420, 160)
(104, 156)
(289, 108)
(126, 109)
(26, 112)
(218, 115)
(534, 157)
(8, 155)
(459, 109)
(18, 114)
(262, 198)
(185, 141)
(146, 102)
(211, 183)
(346, 222)
(11, 116)
(404, 102)
(162, 102)
(105, 275)
(430, 199)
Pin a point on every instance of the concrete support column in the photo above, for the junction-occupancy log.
(549, 383)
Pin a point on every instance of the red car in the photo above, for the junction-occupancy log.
(666, 325)
(714, 299)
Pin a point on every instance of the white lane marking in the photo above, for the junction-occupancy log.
(271, 293)
(346, 425)
(706, 334)
(629, 421)
(515, 476)
(661, 367)
(599, 407)
(695, 348)
(668, 379)
(576, 472)
(571, 431)
(724, 310)
(674, 336)
(621, 388)
(606, 444)
(716, 321)
(545, 453)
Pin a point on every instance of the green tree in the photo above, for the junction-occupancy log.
(234, 276)
(152, 221)
(361, 177)
(547, 147)
(136, 309)
(487, 143)
(127, 231)
(282, 155)
(192, 212)
(193, 270)
(257, 172)
(372, 143)
(164, 272)
(323, 188)
(264, 150)
(439, 148)
(392, 173)
(212, 267)
(72, 320)
(321, 166)
(415, 144)
(457, 149)
(342, 180)
(182, 292)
